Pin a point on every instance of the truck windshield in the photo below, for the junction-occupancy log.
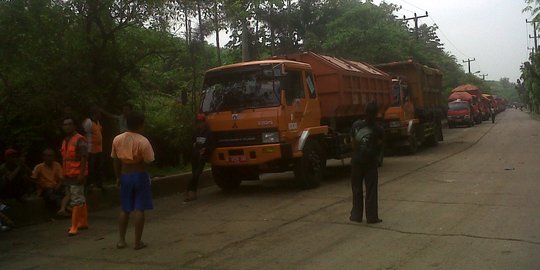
(458, 106)
(242, 88)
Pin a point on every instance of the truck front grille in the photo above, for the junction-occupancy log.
(240, 137)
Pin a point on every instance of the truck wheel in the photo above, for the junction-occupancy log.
(225, 178)
(413, 143)
(437, 136)
(308, 170)
(439, 132)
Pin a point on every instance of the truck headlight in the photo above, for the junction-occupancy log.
(394, 124)
(270, 137)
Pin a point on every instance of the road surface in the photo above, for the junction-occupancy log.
(471, 203)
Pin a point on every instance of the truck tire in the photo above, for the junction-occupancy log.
(225, 178)
(412, 146)
(309, 169)
(433, 140)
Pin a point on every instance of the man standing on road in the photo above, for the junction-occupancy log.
(75, 167)
(366, 138)
(130, 152)
(202, 148)
(492, 114)
(93, 130)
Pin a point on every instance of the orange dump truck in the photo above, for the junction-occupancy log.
(414, 118)
(290, 112)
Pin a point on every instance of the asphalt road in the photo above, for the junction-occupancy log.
(470, 203)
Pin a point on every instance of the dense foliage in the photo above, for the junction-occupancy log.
(529, 85)
(78, 53)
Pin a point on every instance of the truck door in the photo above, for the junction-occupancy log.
(295, 101)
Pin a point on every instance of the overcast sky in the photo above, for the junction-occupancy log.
(493, 32)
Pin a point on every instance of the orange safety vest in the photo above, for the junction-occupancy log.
(71, 160)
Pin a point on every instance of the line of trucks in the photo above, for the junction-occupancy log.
(467, 106)
(294, 112)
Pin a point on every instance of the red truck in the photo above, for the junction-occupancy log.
(288, 113)
(460, 110)
(478, 109)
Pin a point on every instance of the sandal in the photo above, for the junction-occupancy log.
(140, 246)
(63, 213)
(190, 196)
(121, 245)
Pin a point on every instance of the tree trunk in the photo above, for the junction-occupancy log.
(245, 41)
(272, 34)
(201, 32)
(216, 24)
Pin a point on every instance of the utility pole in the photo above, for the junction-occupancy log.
(469, 60)
(415, 18)
(535, 35)
(484, 76)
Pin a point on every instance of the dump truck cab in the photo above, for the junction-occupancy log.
(415, 115)
(459, 113)
(262, 114)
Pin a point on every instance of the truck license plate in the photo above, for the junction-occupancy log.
(237, 159)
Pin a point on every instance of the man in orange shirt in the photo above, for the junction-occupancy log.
(48, 178)
(93, 134)
(130, 152)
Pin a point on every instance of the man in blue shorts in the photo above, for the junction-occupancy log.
(130, 152)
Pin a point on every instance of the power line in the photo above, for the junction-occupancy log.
(440, 30)
(413, 5)
(468, 61)
(535, 35)
(415, 18)
(447, 39)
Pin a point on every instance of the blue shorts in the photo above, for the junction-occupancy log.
(136, 192)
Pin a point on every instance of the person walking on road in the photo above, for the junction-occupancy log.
(202, 148)
(75, 168)
(492, 115)
(130, 152)
(366, 138)
(93, 133)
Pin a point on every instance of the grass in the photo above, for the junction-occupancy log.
(160, 171)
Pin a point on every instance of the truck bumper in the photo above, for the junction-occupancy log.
(396, 133)
(254, 155)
